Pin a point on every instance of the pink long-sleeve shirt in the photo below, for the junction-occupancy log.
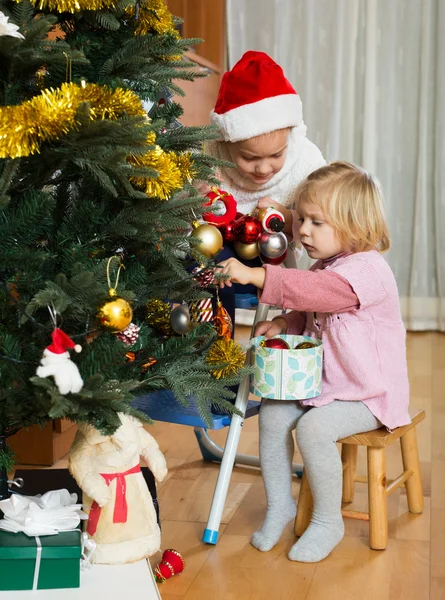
(352, 305)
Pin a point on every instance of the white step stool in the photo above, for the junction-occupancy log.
(162, 406)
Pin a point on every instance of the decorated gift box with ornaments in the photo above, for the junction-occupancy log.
(286, 367)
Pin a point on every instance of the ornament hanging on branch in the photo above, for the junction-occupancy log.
(229, 202)
(229, 352)
(222, 321)
(116, 313)
(210, 237)
(203, 276)
(201, 311)
(180, 320)
(130, 335)
(56, 361)
(162, 100)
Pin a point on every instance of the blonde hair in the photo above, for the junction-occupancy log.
(352, 202)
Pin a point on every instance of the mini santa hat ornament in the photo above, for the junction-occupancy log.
(62, 343)
(255, 98)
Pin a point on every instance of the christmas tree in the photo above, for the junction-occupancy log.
(96, 206)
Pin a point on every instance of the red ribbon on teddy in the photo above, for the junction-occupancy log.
(120, 504)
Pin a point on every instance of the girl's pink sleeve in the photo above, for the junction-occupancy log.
(296, 322)
(308, 291)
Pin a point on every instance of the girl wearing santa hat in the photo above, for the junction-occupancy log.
(260, 119)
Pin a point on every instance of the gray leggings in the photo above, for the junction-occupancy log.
(317, 431)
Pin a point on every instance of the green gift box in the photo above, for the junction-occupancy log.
(44, 563)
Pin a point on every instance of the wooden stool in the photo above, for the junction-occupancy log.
(378, 487)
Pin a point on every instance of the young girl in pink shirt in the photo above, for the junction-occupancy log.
(349, 300)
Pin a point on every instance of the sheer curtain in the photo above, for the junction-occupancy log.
(371, 77)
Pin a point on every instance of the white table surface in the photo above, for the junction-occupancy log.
(113, 582)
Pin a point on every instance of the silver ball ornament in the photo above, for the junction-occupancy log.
(272, 245)
(180, 320)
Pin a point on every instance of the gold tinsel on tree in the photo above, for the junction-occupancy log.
(158, 315)
(226, 351)
(152, 16)
(149, 16)
(173, 170)
(52, 114)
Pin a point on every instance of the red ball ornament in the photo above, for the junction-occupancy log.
(228, 231)
(247, 229)
(238, 216)
(229, 202)
(277, 343)
(171, 564)
(273, 261)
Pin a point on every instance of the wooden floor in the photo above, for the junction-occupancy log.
(412, 567)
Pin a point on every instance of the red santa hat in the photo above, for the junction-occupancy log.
(62, 343)
(255, 98)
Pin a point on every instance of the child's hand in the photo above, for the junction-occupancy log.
(267, 202)
(239, 273)
(201, 187)
(271, 328)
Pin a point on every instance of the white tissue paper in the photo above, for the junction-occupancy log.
(41, 515)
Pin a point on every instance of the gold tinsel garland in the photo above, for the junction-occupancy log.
(169, 176)
(226, 351)
(173, 170)
(52, 114)
(158, 315)
(72, 6)
(151, 16)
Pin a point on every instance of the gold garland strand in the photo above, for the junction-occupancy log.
(152, 15)
(173, 170)
(226, 351)
(158, 315)
(72, 6)
(52, 114)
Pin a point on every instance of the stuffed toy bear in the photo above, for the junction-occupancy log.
(121, 515)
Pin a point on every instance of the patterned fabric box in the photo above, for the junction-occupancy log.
(286, 374)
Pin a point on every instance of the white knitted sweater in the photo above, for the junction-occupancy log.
(302, 158)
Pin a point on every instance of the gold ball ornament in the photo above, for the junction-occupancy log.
(115, 314)
(211, 240)
(261, 213)
(247, 251)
